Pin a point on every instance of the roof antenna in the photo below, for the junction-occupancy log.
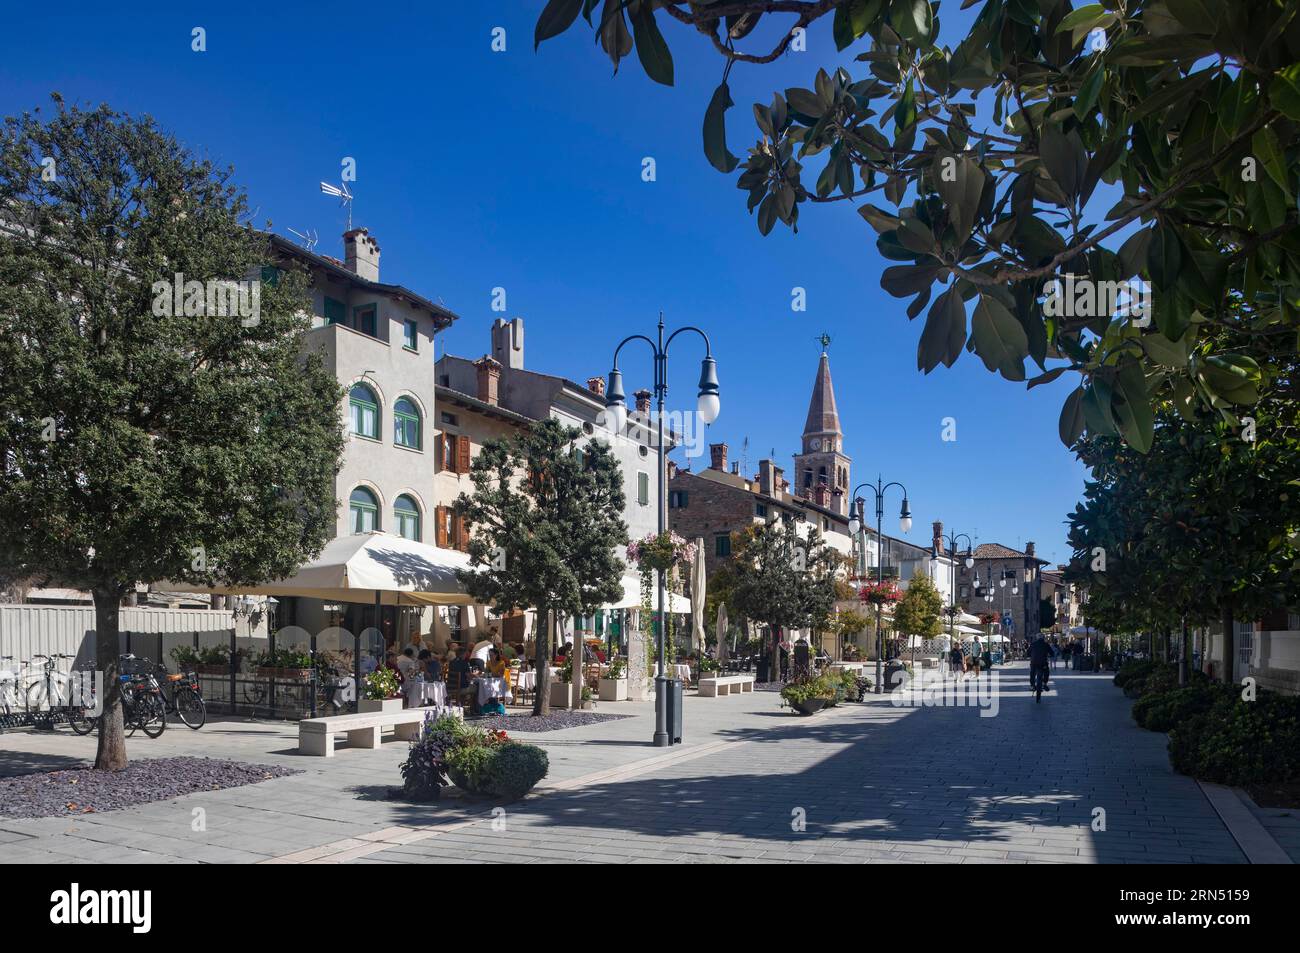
(341, 192)
(309, 240)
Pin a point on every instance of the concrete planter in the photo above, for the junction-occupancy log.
(561, 693)
(370, 705)
(612, 690)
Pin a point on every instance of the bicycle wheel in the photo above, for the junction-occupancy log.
(190, 708)
(152, 716)
(82, 723)
(37, 693)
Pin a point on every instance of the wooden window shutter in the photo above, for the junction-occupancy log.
(440, 517)
(462, 454)
(439, 457)
(462, 534)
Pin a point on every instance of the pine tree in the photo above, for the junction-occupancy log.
(138, 442)
(547, 520)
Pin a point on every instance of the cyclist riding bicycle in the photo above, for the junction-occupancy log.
(1039, 654)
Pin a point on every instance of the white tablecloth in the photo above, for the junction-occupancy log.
(526, 681)
(489, 688)
(419, 694)
(681, 671)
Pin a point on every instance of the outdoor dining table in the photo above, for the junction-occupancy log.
(420, 693)
(489, 688)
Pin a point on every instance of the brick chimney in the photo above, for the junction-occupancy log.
(508, 343)
(735, 468)
(821, 494)
(718, 456)
(1029, 548)
(596, 385)
(672, 469)
(643, 401)
(938, 536)
(489, 379)
(771, 478)
(361, 254)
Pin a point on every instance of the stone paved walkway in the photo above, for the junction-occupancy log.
(876, 782)
(852, 784)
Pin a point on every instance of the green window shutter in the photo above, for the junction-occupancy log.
(365, 319)
(643, 488)
(335, 312)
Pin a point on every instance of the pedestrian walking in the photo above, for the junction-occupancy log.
(956, 661)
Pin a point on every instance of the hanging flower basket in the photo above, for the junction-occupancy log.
(661, 552)
(880, 593)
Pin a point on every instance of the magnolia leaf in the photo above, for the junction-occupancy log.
(556, 17)
(715, 132)
(999, 338)
(653, 52)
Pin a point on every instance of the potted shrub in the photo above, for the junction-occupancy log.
(489, 764)
(186, 658)
(613, 684)
(214, 660)
(806, 697)
(381, 692)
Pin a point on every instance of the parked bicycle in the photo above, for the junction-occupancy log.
(143, 706)
(182, 696)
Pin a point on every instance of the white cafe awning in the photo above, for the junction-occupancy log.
(366, 567)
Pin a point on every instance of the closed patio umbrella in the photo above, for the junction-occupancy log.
(697, 599)
(721, 630)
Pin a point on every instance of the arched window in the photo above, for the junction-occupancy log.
(407, 515)
(364, 510)
(406, 424)
(365, 411)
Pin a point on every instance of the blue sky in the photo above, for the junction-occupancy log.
(522, 170)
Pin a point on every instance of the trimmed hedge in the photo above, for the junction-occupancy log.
(1131, 671)
(1163, 710)
(1214, 735)
(1239, 742)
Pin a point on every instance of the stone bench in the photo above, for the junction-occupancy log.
(316, 735)
(726, 685)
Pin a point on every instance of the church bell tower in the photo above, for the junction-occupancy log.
(821, 470)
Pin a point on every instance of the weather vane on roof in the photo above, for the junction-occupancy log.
(825, 340)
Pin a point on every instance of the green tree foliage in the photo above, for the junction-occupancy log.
(1148, 139)
(547, 517)
(919, 611)
(1205, 527)
(784, 580)
(134, 445)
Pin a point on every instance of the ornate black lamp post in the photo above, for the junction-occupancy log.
(855, 525)
(707, 406)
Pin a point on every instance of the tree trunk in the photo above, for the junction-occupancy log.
(1228, 647)
(1182, 656)
(542, 662)
(111, 754)
(576, 652)
(776, 653)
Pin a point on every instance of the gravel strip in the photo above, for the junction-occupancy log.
(87, 791)
(555, 721)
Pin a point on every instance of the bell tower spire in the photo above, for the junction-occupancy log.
(821, 469)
